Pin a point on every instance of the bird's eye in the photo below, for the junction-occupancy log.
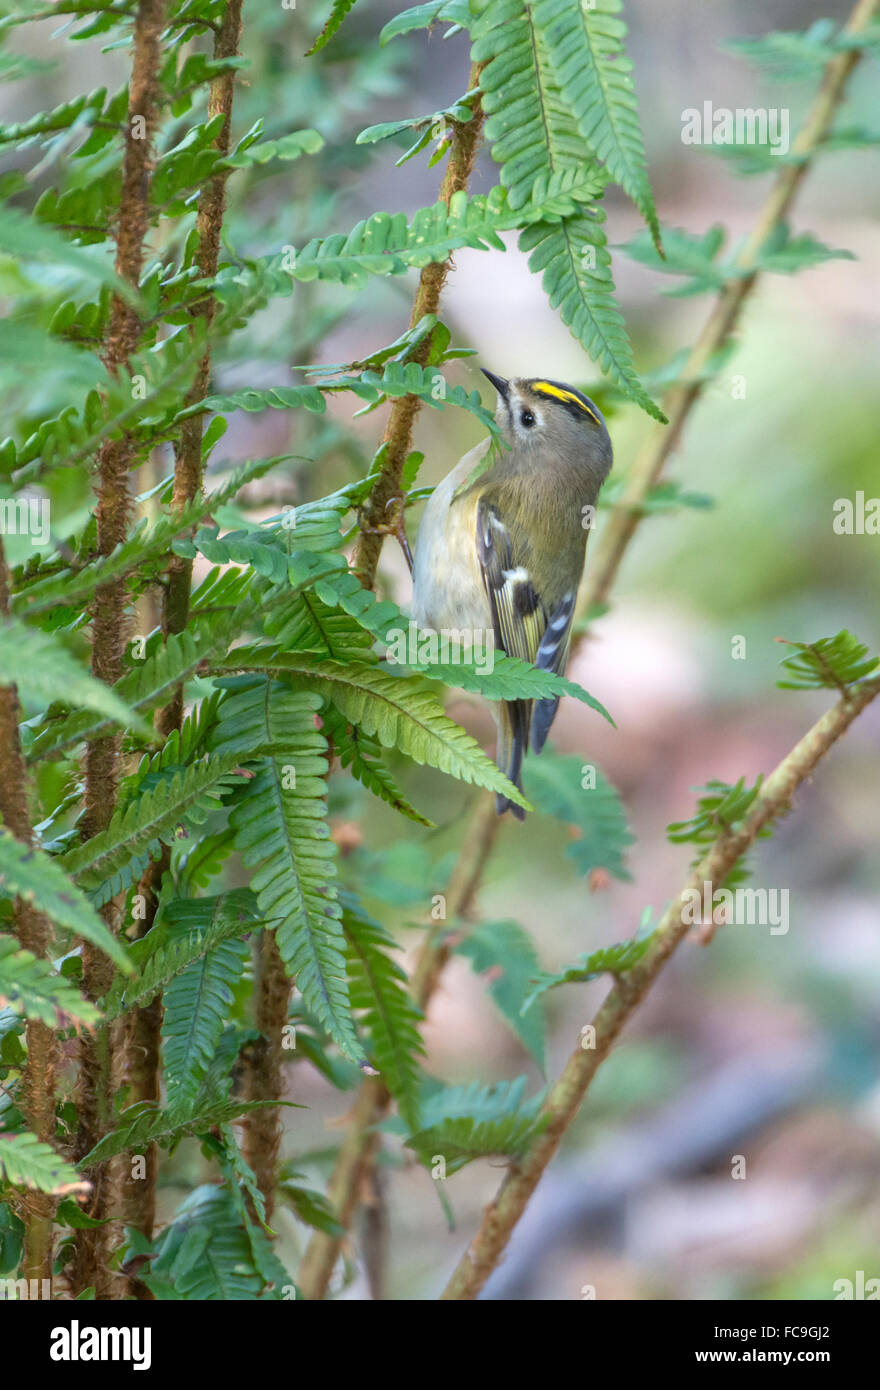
(527, 419)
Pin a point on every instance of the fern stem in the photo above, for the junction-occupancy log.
(143, 1032)
(561, 1107)
(34, 934)
(397, 439)
(109, 623)
(263, 1070)
(680, 400)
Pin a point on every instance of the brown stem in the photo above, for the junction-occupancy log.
(34, 932)
(143, 1032)
(109, 624)
(397, 439)
(772, 802)
(263, 1075)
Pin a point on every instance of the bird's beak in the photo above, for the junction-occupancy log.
(501, 385)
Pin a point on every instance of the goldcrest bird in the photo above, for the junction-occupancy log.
(502, 542)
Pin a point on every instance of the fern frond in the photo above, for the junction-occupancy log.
(44, 670)
(362, 755)
(106, 863)
(584, 46)
(26, 1162)
(31, 987)
(401, 712)
(196, 1006)
(378, 985)
(281, 833)
(208, 922)
(38, 879)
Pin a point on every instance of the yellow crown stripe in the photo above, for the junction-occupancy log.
(545, 388)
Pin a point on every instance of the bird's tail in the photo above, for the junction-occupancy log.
(514, 717)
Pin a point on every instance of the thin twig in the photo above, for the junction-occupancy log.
(772, 802)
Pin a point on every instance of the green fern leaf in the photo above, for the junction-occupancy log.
(281, 833)
(31, 987)
(38, 879)
(401, 712)
(44, 670)
(106, 863)
(196, 1008)
(379, 986)
(506, 952)
(579, 794)
(26, 1162)
(584, 46)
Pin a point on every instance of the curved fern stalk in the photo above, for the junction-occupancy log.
(281, 833)
(584, 46)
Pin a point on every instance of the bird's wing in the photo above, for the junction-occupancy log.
(518, 616)
(523, 628)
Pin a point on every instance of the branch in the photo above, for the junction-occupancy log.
(680, 400)
(34, 933)
(102, 766)
(143, 1031)
(561, 1107)
(397, 440)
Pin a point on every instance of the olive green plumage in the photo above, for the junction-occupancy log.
(502, 542)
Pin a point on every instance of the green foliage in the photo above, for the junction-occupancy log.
(467, 1122)
(721, 809)
(207, 1253)
(26, 1162)
(196, 1007)
(378, 987)
(579, 795)
(37, 879)
(699, 258)
(45, 671)
(281, 833)
(832, 663)
(607, 960)
(31, 987)
(145, 1123)
(504, 953)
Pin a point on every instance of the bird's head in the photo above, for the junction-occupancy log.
(549, 420)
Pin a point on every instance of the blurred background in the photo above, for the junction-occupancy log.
(761, 1052)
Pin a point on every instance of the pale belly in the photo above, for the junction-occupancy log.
(446, 595)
